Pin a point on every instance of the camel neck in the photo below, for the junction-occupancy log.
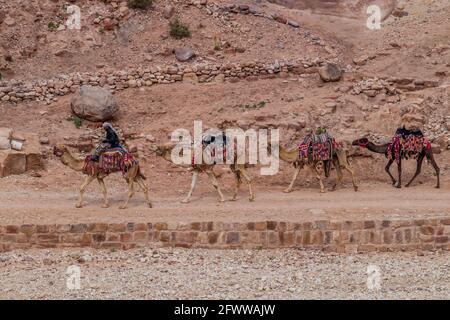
(377, 148)
(68, 160)
(288, 156)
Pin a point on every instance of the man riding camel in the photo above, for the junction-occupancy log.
(110, 142)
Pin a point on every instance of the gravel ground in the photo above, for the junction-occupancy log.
(216, 274)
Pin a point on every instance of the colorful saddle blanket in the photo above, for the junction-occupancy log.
(111, 160)
(317, 147)
(404, 147)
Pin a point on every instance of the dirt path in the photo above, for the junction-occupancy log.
(373, 202)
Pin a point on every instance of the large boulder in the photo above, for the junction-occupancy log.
(94, 104)
(12, 162)
(330, 72)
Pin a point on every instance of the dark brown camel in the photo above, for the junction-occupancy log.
(383, 149)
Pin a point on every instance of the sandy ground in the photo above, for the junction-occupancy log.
(230, 274)
(372, 202)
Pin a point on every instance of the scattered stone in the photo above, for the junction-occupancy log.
(44, 140)
(330, 73)
(168, 12)
(184, 54)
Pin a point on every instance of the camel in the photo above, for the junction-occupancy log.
(339, 160)
(383, 149)
(133, 175)
(239, 171)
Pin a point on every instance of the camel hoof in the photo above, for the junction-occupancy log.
(407, 186)
(122, 207)
(356, 189)
(222, 200)
(105, 205)
(78, 206)
(287, 190)
(150, 205)
(251, 199)
(233, 199)
(398, 186)
(184, 201)
(437, 187)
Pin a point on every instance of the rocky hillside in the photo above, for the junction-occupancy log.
(256, 64)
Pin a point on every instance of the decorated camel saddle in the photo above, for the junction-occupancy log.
(110, 161)
(216, 146)
(317, 147)
(407, 144)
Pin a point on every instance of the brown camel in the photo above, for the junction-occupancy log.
(339, 159)
(239, 171)
(383, 149)
(133, 175)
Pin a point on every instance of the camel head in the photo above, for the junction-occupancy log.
(162, 149)
(59, 150)
(363, 142)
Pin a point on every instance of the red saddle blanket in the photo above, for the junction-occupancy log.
(404, 147)
(317, 148)
(110, 161)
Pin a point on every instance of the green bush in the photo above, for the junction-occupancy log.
(178, 30)
(76, 121)
(140, 4)
(53, 25)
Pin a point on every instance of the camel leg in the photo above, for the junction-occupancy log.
(144, 188)
(238, 179)
(319, 177)
(291, 185)
(338, 173)
(215, 184)
(418, 169)
(249, 183)
(352, 172)
(193, 183)
(430, 157)
(399, 166)
(387, 169)
(105, 193)
(83, 187)
(130, 193)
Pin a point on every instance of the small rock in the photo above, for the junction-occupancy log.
(184, 54)
(330, 73)
(168, 12)
(44, 140)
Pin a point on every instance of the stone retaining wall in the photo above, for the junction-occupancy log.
(332, 236)
(47, 90)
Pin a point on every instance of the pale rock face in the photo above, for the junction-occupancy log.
(94, 104)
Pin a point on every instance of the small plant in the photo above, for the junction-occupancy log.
(140, 4)
(101, 30)
(178, 30)
(76, 121)
(53, 25)
(218, 46)
(254, 106)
